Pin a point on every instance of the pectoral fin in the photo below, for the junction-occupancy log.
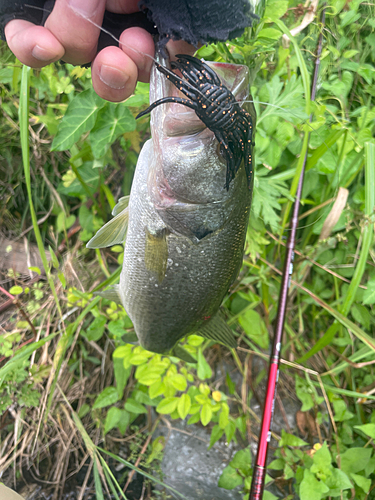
(113, 233)
(112, 293)
(218, 330)
(179, 352)
(121, 205)
(156, 253)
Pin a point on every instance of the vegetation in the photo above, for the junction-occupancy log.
(70, 386)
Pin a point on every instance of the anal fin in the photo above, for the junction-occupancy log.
(179, 352)
(218, 330)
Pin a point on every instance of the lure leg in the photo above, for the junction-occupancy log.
(176, 100)
(198, 65)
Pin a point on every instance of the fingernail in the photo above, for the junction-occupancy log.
(42, 54)
(113, 77)
(86, 8)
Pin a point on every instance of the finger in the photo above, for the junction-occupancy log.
(138, 44)
(33, 45)
(70, 23)
(114, 74)
(180, 47)
(122, 7)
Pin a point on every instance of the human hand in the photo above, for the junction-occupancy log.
(68, 34)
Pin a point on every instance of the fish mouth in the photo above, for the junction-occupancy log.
(189, 167)
(180, 121)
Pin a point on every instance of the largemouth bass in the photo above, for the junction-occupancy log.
(185, 228)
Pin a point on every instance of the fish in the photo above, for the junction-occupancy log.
(184, 228)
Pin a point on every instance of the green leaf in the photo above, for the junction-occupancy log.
(35, 270)
(269, 33)
(354, 460)
(266, 196)
(90, 179)
(348, 54)
(62, 221)
(95, 331)
(231, 385)
(290, 440)
(121, 375)
(267, 495)
(134, 407)
(224, 416)
(254, 327)
(156, 389)
(62, 279)
(277, 464)
(230, 430)
(79, 118)
(342, 412)
(337, 482)
(216, 434)
(307, 395)
(113, 120)
(157, 448)
(194, 419)
(362, 482)
(54, 259)
(117, 328)
(125, 420)
(107, 397)
(230, 478)
(322, 459)
(167, 405)
(369, 294)
(178, 381)
(206, 413)
(242, 461)
(204, 371)
(184, 406)
(275, 9)
(368, 429)
(112, 419)
(311, 488)
(16, 290)
(150, 377)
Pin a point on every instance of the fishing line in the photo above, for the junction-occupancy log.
(306, 122)
(121, 44)
(224, 108)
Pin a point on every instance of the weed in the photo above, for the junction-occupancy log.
(73, 384)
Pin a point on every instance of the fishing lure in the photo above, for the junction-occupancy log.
(216, 107)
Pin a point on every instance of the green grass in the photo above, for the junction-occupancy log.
(328, 355)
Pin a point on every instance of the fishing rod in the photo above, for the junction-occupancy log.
(259, 471)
